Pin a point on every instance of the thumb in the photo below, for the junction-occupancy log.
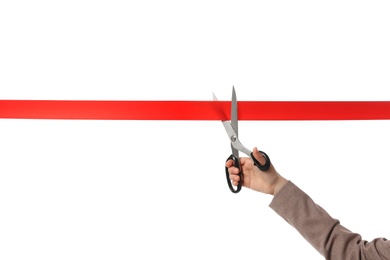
(259, 157)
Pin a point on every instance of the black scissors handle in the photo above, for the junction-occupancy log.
(267, 164)
(237, 164)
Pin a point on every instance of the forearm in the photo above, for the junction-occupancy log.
(324, 233)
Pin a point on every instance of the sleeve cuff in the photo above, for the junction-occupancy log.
(286, 197)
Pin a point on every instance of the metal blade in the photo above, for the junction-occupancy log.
(232, 134)
(234, 119)
(214, 97)
(229, 130)
(234, 113)
(235, 143)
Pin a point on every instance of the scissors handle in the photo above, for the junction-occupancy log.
(267, 164)
(238, 165)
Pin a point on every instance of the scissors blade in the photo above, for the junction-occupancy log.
(234, 119)
(214, 97)
(229, 130)
(232, 134)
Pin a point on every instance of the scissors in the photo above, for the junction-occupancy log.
(231, 128)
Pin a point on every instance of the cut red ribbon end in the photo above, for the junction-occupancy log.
(194, 110)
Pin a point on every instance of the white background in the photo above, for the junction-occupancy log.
(156, 189)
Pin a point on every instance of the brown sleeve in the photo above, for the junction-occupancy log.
(324, 233)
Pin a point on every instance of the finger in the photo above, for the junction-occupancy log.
(233, 170)
(235, 178)
(231, 167)
(258, 156)
(243, 160)
(229, 163)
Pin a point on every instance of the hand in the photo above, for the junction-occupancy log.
(269, 182)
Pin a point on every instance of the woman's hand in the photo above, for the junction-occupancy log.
(269, 182)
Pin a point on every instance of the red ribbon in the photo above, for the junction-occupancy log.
(194, 110)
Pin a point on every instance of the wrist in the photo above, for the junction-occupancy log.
(279, 184)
